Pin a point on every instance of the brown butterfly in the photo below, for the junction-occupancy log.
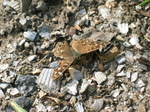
(70, 52)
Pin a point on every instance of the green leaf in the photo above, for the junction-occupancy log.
(144, 2)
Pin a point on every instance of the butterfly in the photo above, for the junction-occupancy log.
(69, 52)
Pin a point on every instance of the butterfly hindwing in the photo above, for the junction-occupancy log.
(62, 66)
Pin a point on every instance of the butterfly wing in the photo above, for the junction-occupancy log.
(62, 50)
(61, 68)
(83, 46)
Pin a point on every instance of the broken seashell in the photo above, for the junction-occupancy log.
(129, 56)
(124, 28)
(2, 95)
(134, 39)
(3, 67)
(85, 84)
(124, 87)
(119, 68)
(140, 83)
(79, 107)
(13, 91)
(71, 87)
(110, 79)
(31, 35)
(15, 5)
(44, 31)
(115, 92)
(122, 73)
(75, 74)
(134, 76)
(104, 11)
(97, 104)
(121, 60)
(99, 77)
(4, 85)
(8, 76)
(45, 81)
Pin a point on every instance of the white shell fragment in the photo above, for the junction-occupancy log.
(13, 91)
(40, 108)
(124, 28)
(129, 56)
(75, 74)
(71, 87)
(121, 60)
(134, 76)
(140, 83)
(23, 21)
(99, 77)
(8, 77)
(79, 107)
(4, 85)
(104, 11)
(135, 41)
(97, 104)
(115, 92)
(31, 35)
(85, 84)
(15, 5)
(120, 67)
(29, 59)
(45, 81)
(2, 95)
(110, 80)
(3, 67)
(44, 31)
(122, 73)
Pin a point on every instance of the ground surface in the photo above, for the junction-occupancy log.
(115, 78)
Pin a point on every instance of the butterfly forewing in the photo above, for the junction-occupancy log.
(62, 50)
(62, 66)
(83, 46)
